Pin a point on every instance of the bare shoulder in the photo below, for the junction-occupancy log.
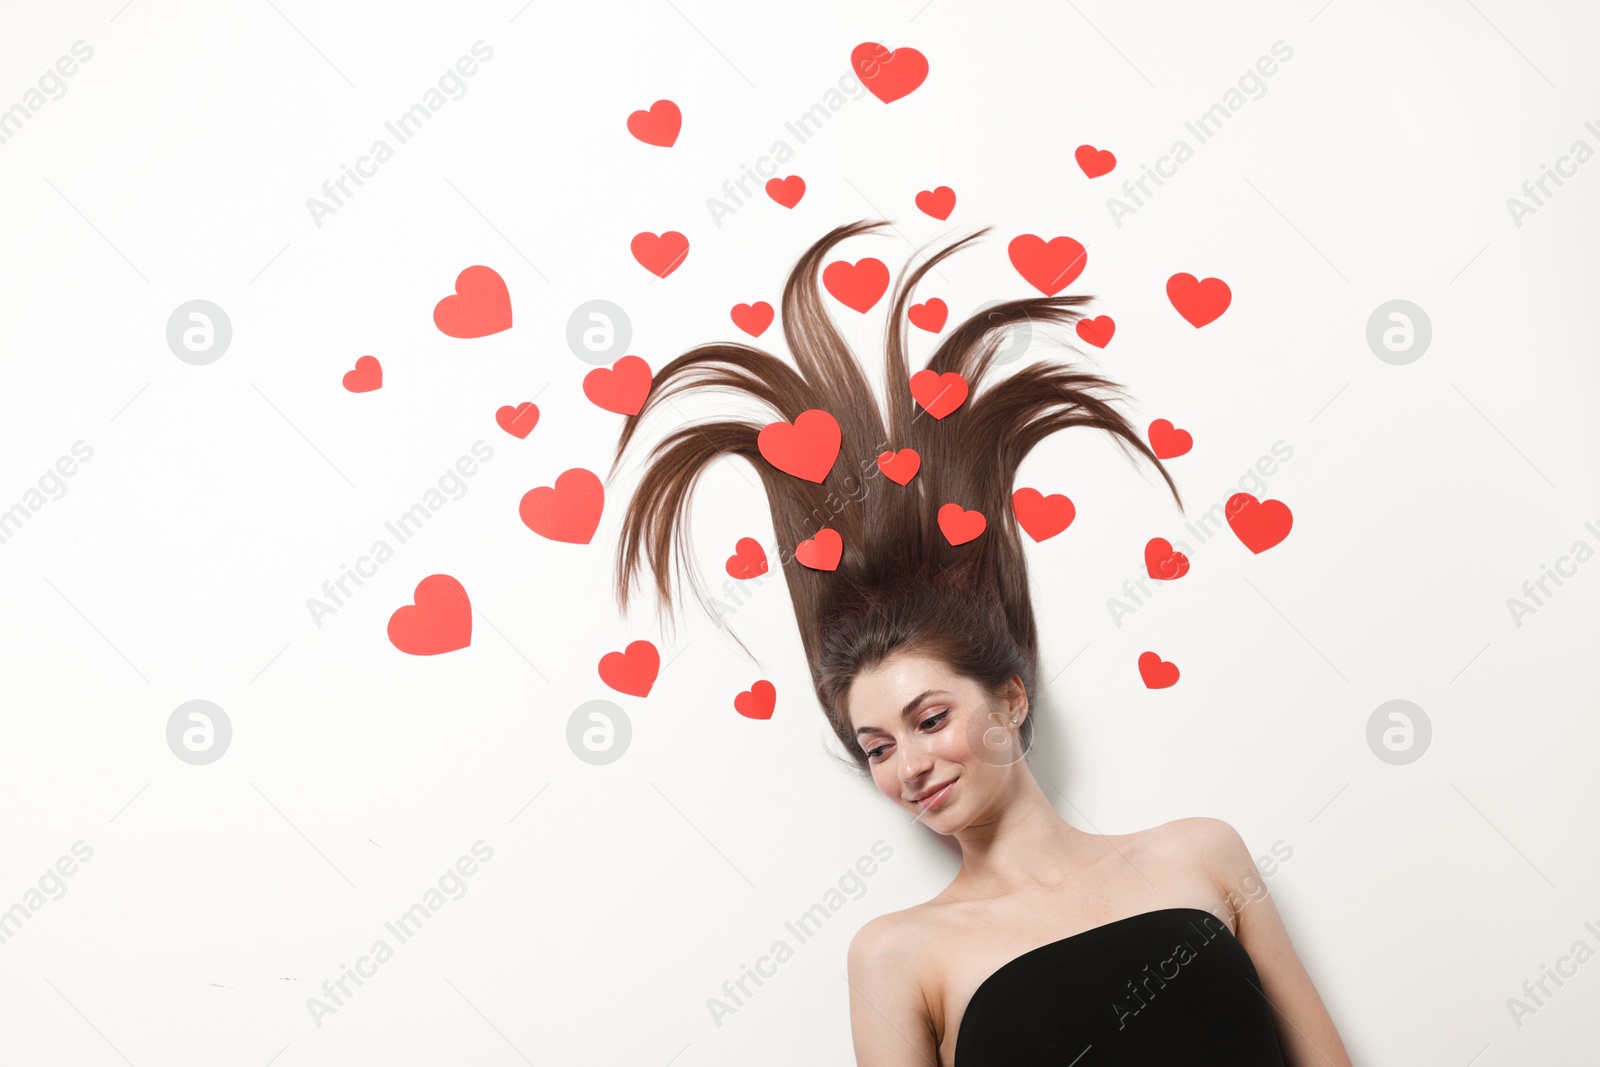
(890, 1022)
(890, 940)
(1202, 845)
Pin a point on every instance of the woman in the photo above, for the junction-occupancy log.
(1052, 945)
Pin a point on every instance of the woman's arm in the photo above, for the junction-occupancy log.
(889, 1022)
(1305, 1029)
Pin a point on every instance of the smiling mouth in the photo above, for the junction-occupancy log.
(934, 796)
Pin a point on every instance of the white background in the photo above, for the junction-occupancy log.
(178, 563)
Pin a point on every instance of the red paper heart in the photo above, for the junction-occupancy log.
(1094, 161)
(959, 525)
(937, 202)
(659, 125)
(633, 670)
(805, 448)
(758, 701)
(753, 319)
(660, 254)
(1042, 516)
(1163, 562)
(888, 75)
(1050, 267)
(367, 376)
(1157, 672)
(821, 552)
(1198, 301)
(481, 305)
(901, 466)
(439, 619)
(857, 285)
(1258, 524)
(622, 387)
(1167, 442)
(568, 511)
(929, 316)
(518, 421)
(1097, 331)
(786, 191)
(749, 560)
(939, 394)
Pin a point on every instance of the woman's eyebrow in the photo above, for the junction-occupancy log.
(909, 710)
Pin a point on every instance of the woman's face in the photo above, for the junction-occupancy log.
(934, 741)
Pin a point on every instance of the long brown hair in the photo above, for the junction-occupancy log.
(900, 585)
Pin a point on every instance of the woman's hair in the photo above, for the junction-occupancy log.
(900, 586)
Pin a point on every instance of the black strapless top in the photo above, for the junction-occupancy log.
(1167, 987)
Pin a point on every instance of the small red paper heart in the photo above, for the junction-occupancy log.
(929, 316)
(821, 552)
(1094, 161)
(856, 285)
(568, 511)
(939, 394)
(1050, 267)
(660, 254)
(1198, 301)
(937, 202)
(659, 125)
(1097, 331)
(633, 670)
(786, 191)
(1166, 441)
(749, 560)
(1042, 516)
(959, 525)
(439, 619)
(518, 421)
(753, 319)
(1258, 524)
(758, 701)
(888, 75)
(805, 448)
(1157, 672)
(481, 305)
(621, 387)
(1163, 562)
(367, 376)
(901, 466)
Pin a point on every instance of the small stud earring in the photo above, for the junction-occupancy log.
(1013, 718)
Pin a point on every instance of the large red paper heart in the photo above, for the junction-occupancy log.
(481, 305)
(568, 511)
(749, 560)
(439, 619)
(659, 125)
(937, 202)
(1048, 267)
(660, 254)
(753, 319)
(959, 525)
(821, 552)
(1198, 301)
(1042, 516)
(1163, 562)
(1097, 331)
(633, 670)
(1166, 441)
(518, 421)
(758, 701)
(929, 316)
(888, 75)
(786, 191)
(857, 285)
(901, 466)
(939, 394)
(1259, 524)
(1094, 161)
(1157, 672)
(621, 387)
(367, 375)
(805, 448)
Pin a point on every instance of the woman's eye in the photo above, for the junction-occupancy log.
(872, 754)
(933, 721)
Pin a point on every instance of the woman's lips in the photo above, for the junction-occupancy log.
(933, 800)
